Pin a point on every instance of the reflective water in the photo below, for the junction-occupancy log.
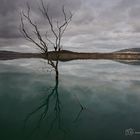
(90, 100)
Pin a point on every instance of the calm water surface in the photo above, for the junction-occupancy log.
(91, 100)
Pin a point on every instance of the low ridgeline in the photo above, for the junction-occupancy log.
(65, 55)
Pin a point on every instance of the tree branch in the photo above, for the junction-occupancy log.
(56, 31)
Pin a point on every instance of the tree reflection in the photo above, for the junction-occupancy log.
(51, 105)
(45, 106)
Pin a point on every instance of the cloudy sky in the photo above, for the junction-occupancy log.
(97, 25)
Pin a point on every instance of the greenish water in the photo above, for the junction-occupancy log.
(91, 100)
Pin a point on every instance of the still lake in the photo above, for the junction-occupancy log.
(92, 100)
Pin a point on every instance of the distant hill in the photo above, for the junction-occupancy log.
(131, 50)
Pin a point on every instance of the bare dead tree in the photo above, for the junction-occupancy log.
(57, 30)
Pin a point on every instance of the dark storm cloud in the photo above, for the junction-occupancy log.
(10, 9)
(8, 19)
(103, 21)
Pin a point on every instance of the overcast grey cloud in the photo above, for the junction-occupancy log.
(97, 25)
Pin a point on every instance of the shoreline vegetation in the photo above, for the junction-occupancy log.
(65, 55)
